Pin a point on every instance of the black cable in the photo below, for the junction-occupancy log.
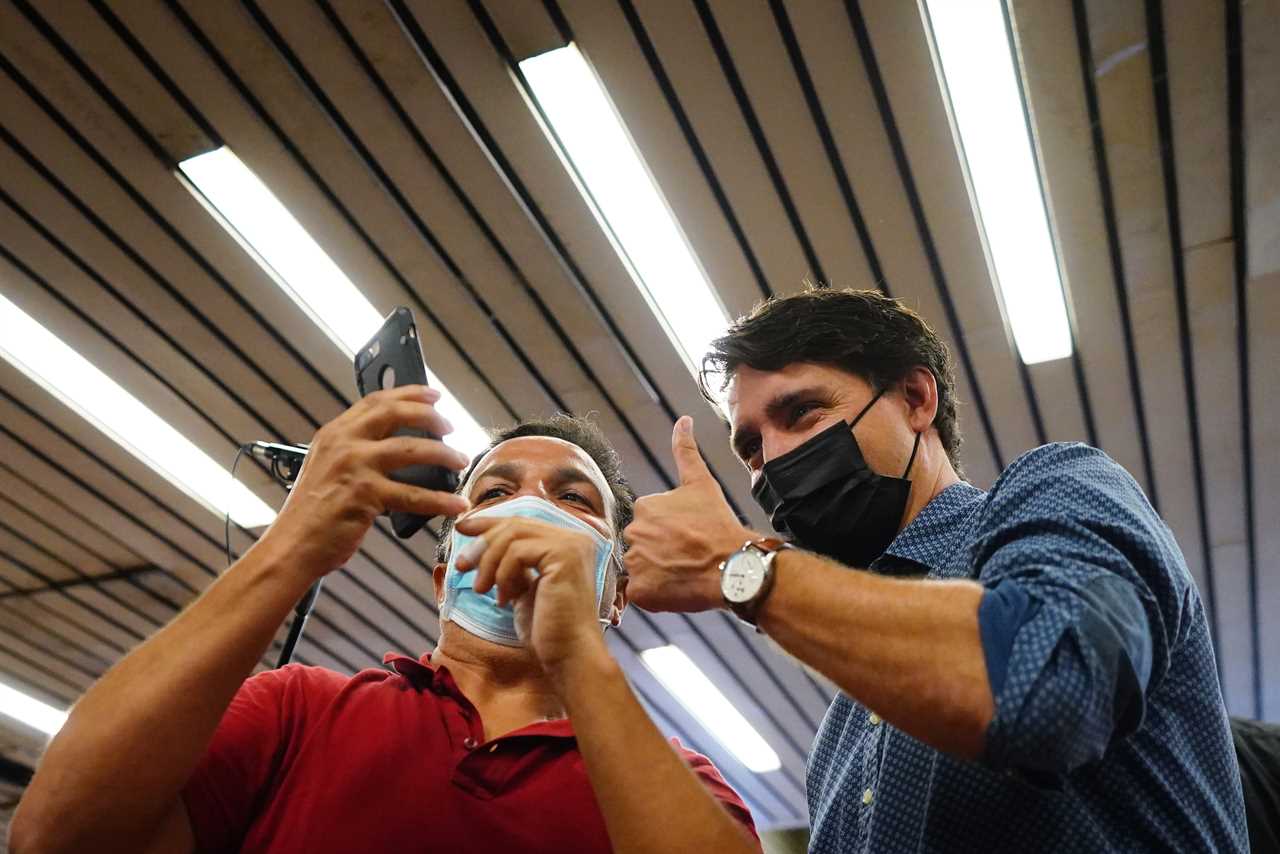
(226, 516)
(303, 609)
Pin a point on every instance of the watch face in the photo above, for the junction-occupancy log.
(743, 577)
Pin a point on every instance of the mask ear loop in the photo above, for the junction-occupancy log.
(914, 447)
(870, 403)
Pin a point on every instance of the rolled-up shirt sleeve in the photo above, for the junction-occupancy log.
(1083, 600)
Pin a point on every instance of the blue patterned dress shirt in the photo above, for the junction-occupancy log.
(1109, 731)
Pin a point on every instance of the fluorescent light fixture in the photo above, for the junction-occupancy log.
(294, 261)
(685, 681)
(71, 378)
(30, 711)
(979, 74)
(599, 152)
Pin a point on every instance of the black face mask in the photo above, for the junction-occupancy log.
(825, 497)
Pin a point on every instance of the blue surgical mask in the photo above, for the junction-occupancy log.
(479, 613)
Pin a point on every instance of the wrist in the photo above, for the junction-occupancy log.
(589, 662)
(278, 562)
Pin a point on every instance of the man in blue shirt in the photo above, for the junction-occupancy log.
(1024, 669)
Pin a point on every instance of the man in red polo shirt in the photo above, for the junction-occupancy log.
(519, 733)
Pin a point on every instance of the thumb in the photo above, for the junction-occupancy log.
(689, 463)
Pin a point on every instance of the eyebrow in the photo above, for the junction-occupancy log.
(774, 408)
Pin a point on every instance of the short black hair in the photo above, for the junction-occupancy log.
(578, 431)
(863, 332)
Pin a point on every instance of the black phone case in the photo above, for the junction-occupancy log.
(395, 348)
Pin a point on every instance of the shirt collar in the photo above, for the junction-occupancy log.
(925, 540)
(426, 677)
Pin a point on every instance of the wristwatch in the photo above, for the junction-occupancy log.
(746, 577)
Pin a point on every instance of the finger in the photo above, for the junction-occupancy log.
(398, 451)
(689, 463)
(374, 399)
(517, 570)
(499, 539)
(407, 498)
(392, 414)
(475, 525)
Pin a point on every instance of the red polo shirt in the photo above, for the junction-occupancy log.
(309, 760)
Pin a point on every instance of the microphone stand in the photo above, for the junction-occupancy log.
(300, 613)
(286, 464)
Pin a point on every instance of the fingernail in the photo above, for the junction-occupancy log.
(472, 551)
(446, 425)
(682, 425)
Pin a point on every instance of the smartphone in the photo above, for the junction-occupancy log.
(393, 358)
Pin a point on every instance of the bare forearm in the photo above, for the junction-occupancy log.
(651, 800)
(910, 650)
(134, 739)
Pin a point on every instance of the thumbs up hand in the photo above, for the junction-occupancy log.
(678, 538)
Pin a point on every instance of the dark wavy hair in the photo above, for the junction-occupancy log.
(578, 431)
(864, 332)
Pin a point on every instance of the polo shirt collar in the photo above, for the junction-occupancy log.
(437, 679)
(927, 540)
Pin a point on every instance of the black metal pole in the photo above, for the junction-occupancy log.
(300, 613)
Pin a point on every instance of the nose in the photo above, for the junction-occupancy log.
(775, 443)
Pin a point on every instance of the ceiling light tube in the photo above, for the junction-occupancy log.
(30, 711)
(591, 140)
(274, 238)
(70, 377)
(979, 75)
(685, 681)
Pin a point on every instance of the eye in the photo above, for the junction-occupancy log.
(492, 492)
(570, 495)
(800, 410)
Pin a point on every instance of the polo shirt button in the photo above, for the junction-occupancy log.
(873, 719)
(469, 743)
(866, 797)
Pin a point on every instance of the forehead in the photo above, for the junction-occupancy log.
(751, 391)
(541, 454)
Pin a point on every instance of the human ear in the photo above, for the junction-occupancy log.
(920, 390)
(437, 578)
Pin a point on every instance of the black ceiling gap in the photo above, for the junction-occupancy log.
(1085, 48)
(1240, 231)
(1164, 122)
